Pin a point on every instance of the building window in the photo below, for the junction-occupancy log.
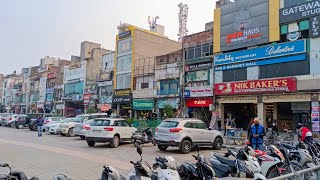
(284, 29)
(211, 49)
(124, 63)
(234, 75)
(205, 49)
(125, 46)
(106, 90)
(168, 87)
(190, 53)
(304, 25)
(144, 85)
(124, 81)
(73, 88)
(197, 53)
(285, 69)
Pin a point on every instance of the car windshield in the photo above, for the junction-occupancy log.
(100, 122)
(79, 118)
(169, 124)
(75, 120)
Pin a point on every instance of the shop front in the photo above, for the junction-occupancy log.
(198, 100)
(122, 101)
(245, 100)
(143, 108)
(172, 103)
(199, 108)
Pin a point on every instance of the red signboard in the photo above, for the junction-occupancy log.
(105, 107)
(257, 86)
(51, 75)
(198, 102)
(86, 97)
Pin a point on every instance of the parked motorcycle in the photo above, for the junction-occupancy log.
(143, 138)
(14, 175)
(202, 170)
(245, 165)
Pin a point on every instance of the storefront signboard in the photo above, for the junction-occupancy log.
(198, 91)
(121, 100)
(315, 113)
(122, 92)
(300, 11)
(197, 76)
(244, 23)
(173, 102)
(287, 98)
(314, 27)
(238, 99)
(257, 86)
(265, 52)
(124, 34)
(196, 67)
(105, 107)
(143, 104)
(143, 93)
(104, 83)
(198, 102)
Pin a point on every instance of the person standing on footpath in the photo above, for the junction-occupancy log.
(257, 131)
(40, 122)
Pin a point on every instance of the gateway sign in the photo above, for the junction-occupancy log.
(257, 86)
(300, 11)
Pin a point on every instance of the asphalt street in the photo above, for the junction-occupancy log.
(49, 155)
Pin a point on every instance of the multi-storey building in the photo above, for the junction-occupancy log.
(105, 83)
(266, 62)
(1, 92)
(133, 46)
(198, 75)
(80, 88)
(9, 91)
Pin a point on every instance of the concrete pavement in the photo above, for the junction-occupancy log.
(49, 155)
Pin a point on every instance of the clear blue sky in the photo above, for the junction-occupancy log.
(32, 29)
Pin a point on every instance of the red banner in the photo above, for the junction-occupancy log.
(257, 86)
(51, 75)
(198, 102)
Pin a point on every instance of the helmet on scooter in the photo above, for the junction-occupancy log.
(170, 162)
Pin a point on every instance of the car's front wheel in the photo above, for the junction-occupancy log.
(70, 132)
(35, 127)
(91, 143)
(186, 146)
(115, 142)
(83, 137)
(162, 148)
(217, 144)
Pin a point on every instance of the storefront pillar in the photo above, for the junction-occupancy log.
(118, 109)
(221, 113)
(262, 113)
(275, 110)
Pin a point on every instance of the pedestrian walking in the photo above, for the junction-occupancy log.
(40, 122)
(275, 126)
(258, 131)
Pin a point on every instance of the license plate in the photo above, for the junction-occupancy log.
(96, 131)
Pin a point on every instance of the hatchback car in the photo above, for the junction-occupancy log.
(186, 133)
(112, 130)
(49, 120)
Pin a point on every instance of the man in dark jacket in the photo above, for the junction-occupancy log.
(257, 131)
(40, 122)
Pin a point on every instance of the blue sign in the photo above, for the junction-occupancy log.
(298, 57)
(187, 93)
(270, 51)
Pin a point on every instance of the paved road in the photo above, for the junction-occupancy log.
(53, 154)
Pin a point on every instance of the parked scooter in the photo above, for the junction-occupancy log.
(166, 168)
(143, 138)
(202, 170)
(244, 165)
(14, 175)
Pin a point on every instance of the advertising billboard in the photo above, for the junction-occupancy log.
(244, 23)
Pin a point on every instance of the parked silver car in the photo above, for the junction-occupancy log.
(80, 129)
(185, 133)
(4, 117)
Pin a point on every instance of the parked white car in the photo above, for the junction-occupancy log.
(81, 128)
(52, 127)
(4, 117)
(113, 130)
(49, 120)
(67, 128)
(185, 133)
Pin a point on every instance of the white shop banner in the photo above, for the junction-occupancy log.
(200, 91)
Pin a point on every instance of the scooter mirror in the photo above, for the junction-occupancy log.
(4, 165)
(139, 150)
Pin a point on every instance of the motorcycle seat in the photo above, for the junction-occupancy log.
(219, 166)
(226, 161)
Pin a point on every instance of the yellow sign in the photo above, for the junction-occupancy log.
(122, 92)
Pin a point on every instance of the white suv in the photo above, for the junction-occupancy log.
(113, 130)
(185, 133)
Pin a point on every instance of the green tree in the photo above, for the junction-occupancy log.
(168, 111)
(91, 110)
